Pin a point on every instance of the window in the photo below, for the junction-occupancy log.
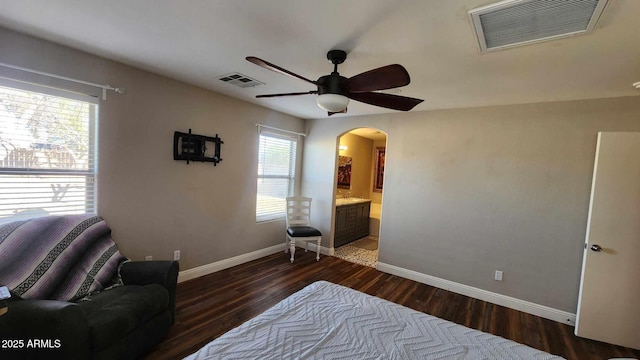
(47, 152)
(276, 173)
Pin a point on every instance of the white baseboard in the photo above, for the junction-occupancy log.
(312, 247)
(323, 250)
(494, 298)
(240, 259)
(227, 263)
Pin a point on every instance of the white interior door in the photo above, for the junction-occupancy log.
(609, 303)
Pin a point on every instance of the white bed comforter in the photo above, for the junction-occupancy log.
(329, 321)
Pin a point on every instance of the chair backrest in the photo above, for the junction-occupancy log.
(298, 211)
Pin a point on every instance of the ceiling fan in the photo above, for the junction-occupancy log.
(334, 90)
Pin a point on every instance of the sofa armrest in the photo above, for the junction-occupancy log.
(164, 273)
(45, 329)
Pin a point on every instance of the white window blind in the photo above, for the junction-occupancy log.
(47, 153)
(276, 173)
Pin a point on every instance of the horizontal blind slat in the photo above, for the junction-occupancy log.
(48, 155)
(276, 174)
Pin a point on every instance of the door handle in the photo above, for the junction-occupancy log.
(596, 248)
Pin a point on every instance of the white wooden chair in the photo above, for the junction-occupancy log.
(298, 226)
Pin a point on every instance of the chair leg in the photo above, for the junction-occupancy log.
(306, 246)
(292, 248)
(318, 249)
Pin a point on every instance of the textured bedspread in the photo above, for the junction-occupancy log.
(328, 321)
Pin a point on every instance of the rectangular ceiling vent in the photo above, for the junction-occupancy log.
(240, 80)
(522, 22)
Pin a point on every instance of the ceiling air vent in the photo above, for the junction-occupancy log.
(522, 22)
(240, 80)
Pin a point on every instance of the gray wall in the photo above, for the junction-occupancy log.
(469, 191)
(154, 204)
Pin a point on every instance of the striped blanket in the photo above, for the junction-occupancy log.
(58, 257)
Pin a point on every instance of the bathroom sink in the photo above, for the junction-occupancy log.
(351, 200)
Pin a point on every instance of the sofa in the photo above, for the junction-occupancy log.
(120, 319)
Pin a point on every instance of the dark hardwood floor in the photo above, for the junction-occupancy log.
(211, 305)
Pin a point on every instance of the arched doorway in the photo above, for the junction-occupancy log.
(358, 191)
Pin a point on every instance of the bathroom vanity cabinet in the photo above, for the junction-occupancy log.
(352, 221)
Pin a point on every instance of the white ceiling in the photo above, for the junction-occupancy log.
(197, 41)
(369, 133)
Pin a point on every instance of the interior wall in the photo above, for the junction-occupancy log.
(469, 191)
(154, 204)
(359, 149)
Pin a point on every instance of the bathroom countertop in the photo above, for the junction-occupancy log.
(350, 201)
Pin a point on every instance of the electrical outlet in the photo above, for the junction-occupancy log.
(498, 276)
(176, 255)
(148, 258)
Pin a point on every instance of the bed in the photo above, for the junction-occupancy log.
(329, 321)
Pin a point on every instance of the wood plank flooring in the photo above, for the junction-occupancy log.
(211, 305)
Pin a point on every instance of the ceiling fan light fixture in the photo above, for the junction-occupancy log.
(334, 91)
(332, 102)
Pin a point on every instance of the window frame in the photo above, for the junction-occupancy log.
(90, 174)
(293, 173)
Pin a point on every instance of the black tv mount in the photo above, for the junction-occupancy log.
(192, 147)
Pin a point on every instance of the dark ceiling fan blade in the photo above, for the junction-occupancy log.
(276, 68)
(288, 94)
(388, 101)
(386, 77)
(329, 113)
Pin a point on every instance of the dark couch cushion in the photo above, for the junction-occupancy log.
(113, 313)
(139, 341)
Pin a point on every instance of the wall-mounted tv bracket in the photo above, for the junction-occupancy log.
(192, 147)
